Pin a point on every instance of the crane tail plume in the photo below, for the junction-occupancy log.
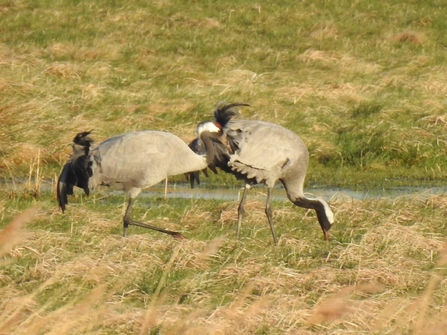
(74, 173)
(77, 171)
(225, 112)
(63, 189)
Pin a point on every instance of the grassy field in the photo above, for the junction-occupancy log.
(383, 272)
(363, 83)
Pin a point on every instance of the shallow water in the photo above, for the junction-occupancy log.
(278, 193)
(203, 191)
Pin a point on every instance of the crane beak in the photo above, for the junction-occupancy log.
(326, 235)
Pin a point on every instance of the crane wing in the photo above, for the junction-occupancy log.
(139, 159)
(125, 158)
(261, 149)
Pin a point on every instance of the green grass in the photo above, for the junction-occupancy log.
(369, 98)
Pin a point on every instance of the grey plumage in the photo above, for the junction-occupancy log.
(264, 152)
(132, 162)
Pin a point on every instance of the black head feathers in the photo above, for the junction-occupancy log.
(225, 112)
(83, 139)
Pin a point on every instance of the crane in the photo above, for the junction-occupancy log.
(264, 152)
(132, 161)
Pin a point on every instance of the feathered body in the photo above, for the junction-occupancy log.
(132, 162)
(264, 152)
(284, 155)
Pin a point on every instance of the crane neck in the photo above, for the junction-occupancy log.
(205, 136)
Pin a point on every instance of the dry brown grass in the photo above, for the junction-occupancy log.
(13, 233)
(387, 277)
(410, 37)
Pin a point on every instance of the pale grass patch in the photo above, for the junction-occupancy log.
(436, 120)
(396, 80)
(196, 254)
(430, 86)
(102, 51)
(63, 71)
(91, 91)
(3, 85)
(254, 212)
(11, 6)
(240, 272)
(346, 63)
(100, 68)
(312, 55)
(80, 316)
(61, 49)
(157, 108)
(228, 214)
(13, 233)
(194, 215)
(336, 93)
(226, 62)
(337, 306)
(236, 80)
(15, 110)
(344, 92)
(23, 153)
(244, 315)
(210, 23)
(409, 37)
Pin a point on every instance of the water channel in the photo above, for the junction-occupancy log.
(203, 192)
(183, 190)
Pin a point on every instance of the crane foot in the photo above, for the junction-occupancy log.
(174, 234)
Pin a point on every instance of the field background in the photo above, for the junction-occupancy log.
(363, 83)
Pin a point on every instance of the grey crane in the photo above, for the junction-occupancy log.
(131, 161)
(264, 152)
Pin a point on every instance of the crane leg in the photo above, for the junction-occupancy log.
(241, 211)
(128, 221)
(268, 212)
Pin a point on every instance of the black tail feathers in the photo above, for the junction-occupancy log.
(77, 171)
(225, 112)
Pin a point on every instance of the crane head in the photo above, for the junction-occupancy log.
(83, 139)
(209, 126)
